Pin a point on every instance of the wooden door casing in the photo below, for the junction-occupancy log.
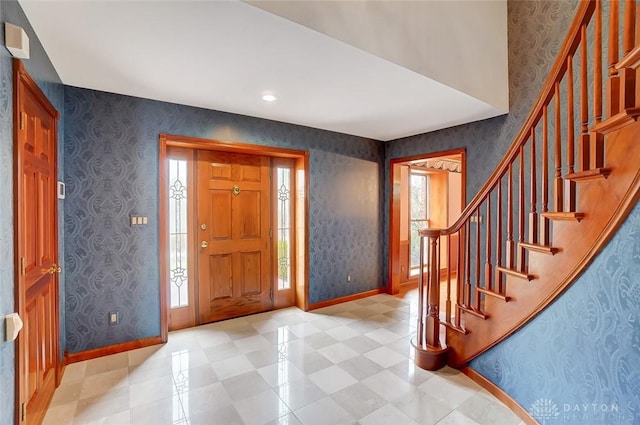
(399, 255)
(234, 214)
(35, 176)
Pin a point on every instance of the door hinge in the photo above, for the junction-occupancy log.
(22, 266)
(24, 412)
(23, 120)
(271, 294)
(270, 233)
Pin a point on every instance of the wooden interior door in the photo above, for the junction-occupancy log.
(36, 248)
(233, 235)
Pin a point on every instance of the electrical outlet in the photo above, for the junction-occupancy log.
(137, 220)
(348, 278)
(113, 318)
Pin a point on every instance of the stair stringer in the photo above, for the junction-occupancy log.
(606, 203)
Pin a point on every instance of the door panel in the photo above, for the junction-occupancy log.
(234, 245)
(251, 274)
(36, 241)
(220, 270)
(248, 215)
(31, 357)
(220, 213)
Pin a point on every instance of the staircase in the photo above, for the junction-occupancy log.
(563, 188)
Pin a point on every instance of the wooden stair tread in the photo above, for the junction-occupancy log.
(544, 249)
(564, 216)
(493, 294)
(473, 312)
(618, 121)
(630, 60)
(515, 273)
(589, 175)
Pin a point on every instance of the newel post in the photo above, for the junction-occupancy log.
(429, 354)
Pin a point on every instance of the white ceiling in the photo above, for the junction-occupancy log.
(380, 69)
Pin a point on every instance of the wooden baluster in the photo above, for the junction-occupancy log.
(583, 144)
(421, 295)
(570, 185)
(488, 280)
(521, 260)
(498, 285)
(478, 303)
(448, 301)
(533, 213)
(597, 68)
(613, 83)
(629, 26)
(613, 36)
(510, 261)
(627, 75)
(637, 44)
(467, 231)
(557, 181)
(460, 276)
(544, 230)
(596, 152)
(433, 295)
(638, 25)
(570, 116)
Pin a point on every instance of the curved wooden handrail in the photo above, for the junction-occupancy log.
(505, 236)
(583, 16)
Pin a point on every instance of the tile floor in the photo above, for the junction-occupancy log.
(345, 364)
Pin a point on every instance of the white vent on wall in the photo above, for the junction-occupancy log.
(16, 40)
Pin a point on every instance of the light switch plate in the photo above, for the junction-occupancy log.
(13, 326)
(62, 191)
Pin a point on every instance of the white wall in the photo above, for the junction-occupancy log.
(461, 44)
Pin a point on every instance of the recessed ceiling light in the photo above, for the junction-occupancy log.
(269, 98)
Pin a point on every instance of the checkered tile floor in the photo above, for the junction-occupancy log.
(346, 364)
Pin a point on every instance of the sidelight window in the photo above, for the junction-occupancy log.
(178, 214)
(284, 231)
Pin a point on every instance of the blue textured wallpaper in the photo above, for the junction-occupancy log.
(536, 31)
(582, 354)
(7, 362)
(109, 158)
(111, 155)
(40, 68)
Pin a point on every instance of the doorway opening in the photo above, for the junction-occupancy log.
(233, 235)
(427, 191)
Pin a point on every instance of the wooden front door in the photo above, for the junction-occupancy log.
(36, 248)
(233, 235)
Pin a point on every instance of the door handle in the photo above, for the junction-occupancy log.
(53, 269)
(204, 244)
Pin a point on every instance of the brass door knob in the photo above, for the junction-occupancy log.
(204, 244)
(53, 269)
